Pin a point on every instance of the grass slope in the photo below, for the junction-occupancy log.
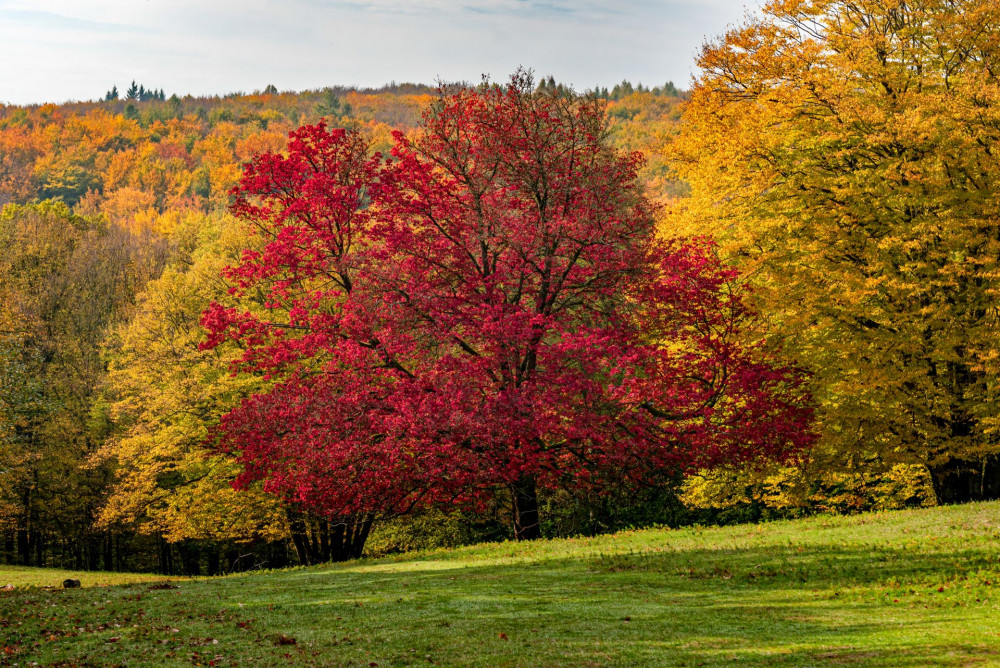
(911, 588)
(21, 577)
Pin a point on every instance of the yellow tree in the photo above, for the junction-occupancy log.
(165, 393)
(846, 155)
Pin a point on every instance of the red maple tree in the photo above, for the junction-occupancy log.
(490, 307)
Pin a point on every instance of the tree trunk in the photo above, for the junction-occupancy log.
(109, 555)
(23, 548)
(39, 549)
(299, 539)
(213, 560)
(324, 540)
(8, 547)
(362, 527)
(525, 498)
(337, 542)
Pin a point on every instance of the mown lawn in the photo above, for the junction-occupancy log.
(53, 577)
(911, 588)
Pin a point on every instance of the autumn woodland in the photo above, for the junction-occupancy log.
(287, 328)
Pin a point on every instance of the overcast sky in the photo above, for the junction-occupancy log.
(59, 50)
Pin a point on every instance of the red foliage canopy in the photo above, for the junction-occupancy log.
(491, 306)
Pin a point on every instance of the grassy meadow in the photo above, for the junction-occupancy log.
(906, 588)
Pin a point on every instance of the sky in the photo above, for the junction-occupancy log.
(62, 50)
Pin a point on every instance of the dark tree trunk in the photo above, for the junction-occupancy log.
(39, 548)
(23, 548)
(362, 528)
(324, 540)
(319, 541)
(300, 540)
(337, 542)
(525, 499)
(164, 557)
(93, 554)
(109, 554)
(213, 561)
(347, 540)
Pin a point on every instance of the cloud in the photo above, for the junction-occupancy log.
(51, 20)
(66, 49)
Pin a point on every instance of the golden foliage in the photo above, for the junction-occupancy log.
(844, 154)
(167, 392)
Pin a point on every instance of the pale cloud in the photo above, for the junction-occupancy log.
(54, 50)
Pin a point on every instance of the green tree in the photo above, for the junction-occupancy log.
(331, 107)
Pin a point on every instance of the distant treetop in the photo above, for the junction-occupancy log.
(136, 93)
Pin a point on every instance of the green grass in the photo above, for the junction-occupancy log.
(910, 588)
(53, 577)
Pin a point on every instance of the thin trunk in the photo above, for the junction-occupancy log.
(324, 541)
(109, 559)
(23, 550)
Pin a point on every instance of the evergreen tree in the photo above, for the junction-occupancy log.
(331, 107)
